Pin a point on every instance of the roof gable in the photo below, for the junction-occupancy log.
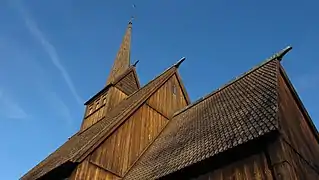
(233, 115)
(128, 82)
(81, 144)
(115, 82)
(299, 103)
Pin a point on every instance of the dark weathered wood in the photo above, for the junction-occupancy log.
(253, 167)
(298, 144)
(280, 161)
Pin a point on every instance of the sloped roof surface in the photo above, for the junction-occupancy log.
(128, 83)
(83, 141)
(115, 82)
(237, 113)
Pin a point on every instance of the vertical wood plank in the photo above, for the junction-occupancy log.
(296, 134)
(129, 141)
(253, 167)
(165, 101)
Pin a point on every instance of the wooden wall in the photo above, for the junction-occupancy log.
(118, 153)
(96, 110)
(254, 167)
(169, 98)
(297, 135)
(115, 97)
(89, 171)
(286, 164)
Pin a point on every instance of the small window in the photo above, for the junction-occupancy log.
(174, 89)
(104, 98)
(90, 109)
(97, 104)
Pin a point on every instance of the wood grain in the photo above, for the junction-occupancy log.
(122, 148)
(97, 109)
(89, 171)
(167, 100)
(298, 147)
(251, 168)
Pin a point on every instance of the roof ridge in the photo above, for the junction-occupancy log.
(132, 68)
(276, 56)
(123, 112)
(176, 65)
(116, 80)
(73, 157)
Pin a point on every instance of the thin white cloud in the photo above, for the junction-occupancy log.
(10, 108)
(35, 79)
(58, 104)
(49, 48)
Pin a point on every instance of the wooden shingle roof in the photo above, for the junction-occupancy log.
(82, 143)
(241, 111)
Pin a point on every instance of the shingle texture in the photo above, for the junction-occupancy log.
(82, 142)
(235, 114)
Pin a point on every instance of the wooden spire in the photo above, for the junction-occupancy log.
(122, 60)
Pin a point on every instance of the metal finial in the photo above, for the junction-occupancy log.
(132, 17)
(134, 65)
(131, 20)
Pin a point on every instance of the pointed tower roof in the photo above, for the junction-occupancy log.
(83, 143)
(122, 60)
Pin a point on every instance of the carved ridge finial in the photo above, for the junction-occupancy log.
(179, 62)
(134, 65)
(282, 53)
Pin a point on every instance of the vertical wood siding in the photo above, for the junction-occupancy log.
(252, 168)
(167, 100)
(93, 117)
(88, 171)
(297, 133)
(114, 98)
(123, 148)
(96, 110)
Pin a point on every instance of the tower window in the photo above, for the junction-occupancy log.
(104, 99)
(90, 109)
(97, 104)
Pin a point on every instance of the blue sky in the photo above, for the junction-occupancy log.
(54, 55)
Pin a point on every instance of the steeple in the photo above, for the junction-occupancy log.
(122, 60)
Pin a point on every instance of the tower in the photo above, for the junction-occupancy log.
(121, 82)
(120, 122)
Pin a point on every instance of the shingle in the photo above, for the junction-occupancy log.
(81, 142)
(235, 114)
